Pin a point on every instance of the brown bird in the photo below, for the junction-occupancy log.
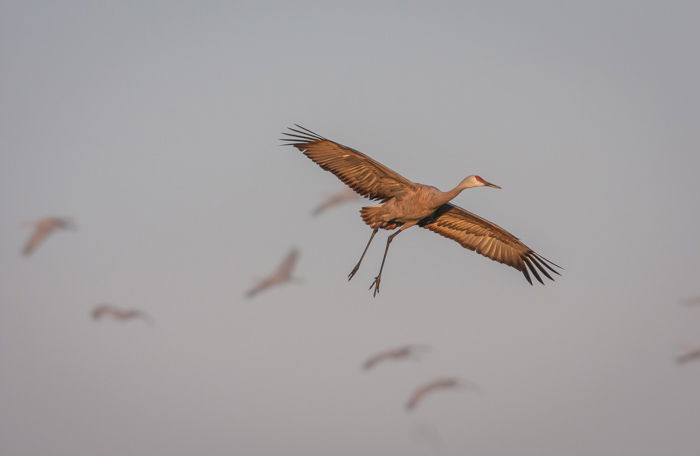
(119, 314)
(404, 352)
(42, 228)
(690, 355)
(346, 195)
(406, 203)
(440, 383)
(282, 275)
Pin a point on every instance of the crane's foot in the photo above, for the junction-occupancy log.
(354, 271)
(375, 284)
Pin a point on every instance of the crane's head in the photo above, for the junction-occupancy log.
(475, 181)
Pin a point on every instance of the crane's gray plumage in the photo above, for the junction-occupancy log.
(407, 203)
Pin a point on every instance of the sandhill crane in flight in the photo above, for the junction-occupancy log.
(344, 196)
(407, 203)
(690, 355)
(283, 274)
(42, 228)
(438, 384)
(404, 352)
(102, 310)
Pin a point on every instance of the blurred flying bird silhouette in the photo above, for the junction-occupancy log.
(42, 228)
(440, 383)
(404, 352)
(344, 196)
(690, 355)
(102, 310)
(283, 274)
(407, 203)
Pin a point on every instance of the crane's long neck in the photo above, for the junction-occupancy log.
(451, 194)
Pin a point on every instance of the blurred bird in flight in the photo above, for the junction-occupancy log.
(341, 197)
(690, 355)
(283, 274)
(398, 353)
(103, 310)
(42, 228)
(438, 384)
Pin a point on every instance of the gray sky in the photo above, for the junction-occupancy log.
(156, 126)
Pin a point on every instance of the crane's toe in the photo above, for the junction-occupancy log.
(375, 284)
(354, 271)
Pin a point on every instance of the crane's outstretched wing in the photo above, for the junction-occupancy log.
(488, 239)
(366, 176)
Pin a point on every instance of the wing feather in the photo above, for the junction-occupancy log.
(363, 174)
(488, 239)
(35, 239)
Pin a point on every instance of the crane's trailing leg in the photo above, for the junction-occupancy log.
(357, 266)
(378, 279)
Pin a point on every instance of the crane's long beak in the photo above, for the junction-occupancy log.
(489, 184)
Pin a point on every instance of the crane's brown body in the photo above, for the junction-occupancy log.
(398, 353)
(283, 274)
(103, 310)
(42, 229)
(406, 203)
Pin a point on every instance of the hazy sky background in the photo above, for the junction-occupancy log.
(156, 127)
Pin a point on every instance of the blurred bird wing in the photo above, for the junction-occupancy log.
(487, 239)
(143, 315)
(265, 283)
(375, 359)
(100, 310)
(285, 268)
(688, 356)
(363, 174)
(418, 395)
(325, 204)
(39, 234)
